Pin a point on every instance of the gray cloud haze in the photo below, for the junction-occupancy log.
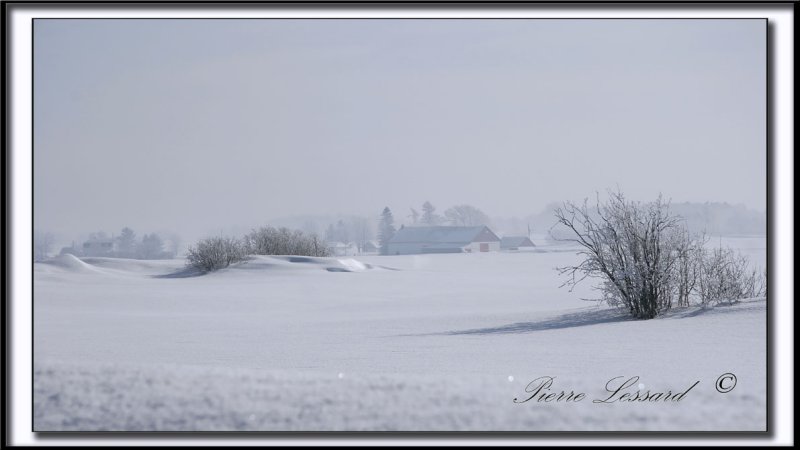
(198, 125)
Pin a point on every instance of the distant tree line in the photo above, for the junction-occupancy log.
(714, 218)
(458, 215)
(354, 229)
(150, 246)
(43, 242)
(124, 245)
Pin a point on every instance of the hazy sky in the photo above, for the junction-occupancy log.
(197, 125)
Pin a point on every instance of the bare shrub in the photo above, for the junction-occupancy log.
(630, 246)
(726, 276)
(688, 252)
(283, 241)
(647, 261)
(215, 253)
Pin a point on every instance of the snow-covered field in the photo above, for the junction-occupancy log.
(427, 342)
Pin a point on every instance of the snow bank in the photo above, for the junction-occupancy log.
(71, 263)
(137, 266)
(353, 266)
(176, 268)
(289, 263)
(444, 343)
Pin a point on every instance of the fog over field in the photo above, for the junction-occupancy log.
(202, 126)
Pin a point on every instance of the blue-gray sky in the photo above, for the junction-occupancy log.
(197, 125)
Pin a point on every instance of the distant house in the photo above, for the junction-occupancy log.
(98, 247)
(513, 243)
(415, 240)
(71, 250)
(342, 248)
(371, 247)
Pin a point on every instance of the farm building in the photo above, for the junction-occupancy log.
(415, 240)
(342, 248)
(371, 247)
(98, 247)
(513, 243)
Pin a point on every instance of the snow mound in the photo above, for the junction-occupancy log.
(110, 266)
(351, 265)
(72, 263)
(293, 263)
(138, 266)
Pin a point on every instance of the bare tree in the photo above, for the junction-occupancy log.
(429, 216)
(43, 242)
(466, 215)
(630, 246)
(361, 232)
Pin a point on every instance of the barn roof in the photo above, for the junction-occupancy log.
(438, 235)
(516, 242)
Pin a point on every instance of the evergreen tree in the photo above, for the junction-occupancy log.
(386, 230)
(126, 243)
(152, 247)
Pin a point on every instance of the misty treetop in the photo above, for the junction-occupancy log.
(466, 216)
(429, 216)
(457, 215)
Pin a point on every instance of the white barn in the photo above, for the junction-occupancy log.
(416, 240)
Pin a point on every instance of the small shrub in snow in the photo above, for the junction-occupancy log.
(688, 252)
(725, 276)
(283, 241)
(215, 253)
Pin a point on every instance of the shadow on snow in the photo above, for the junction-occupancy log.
(186, 272)
(596, 317)
(570, 320)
